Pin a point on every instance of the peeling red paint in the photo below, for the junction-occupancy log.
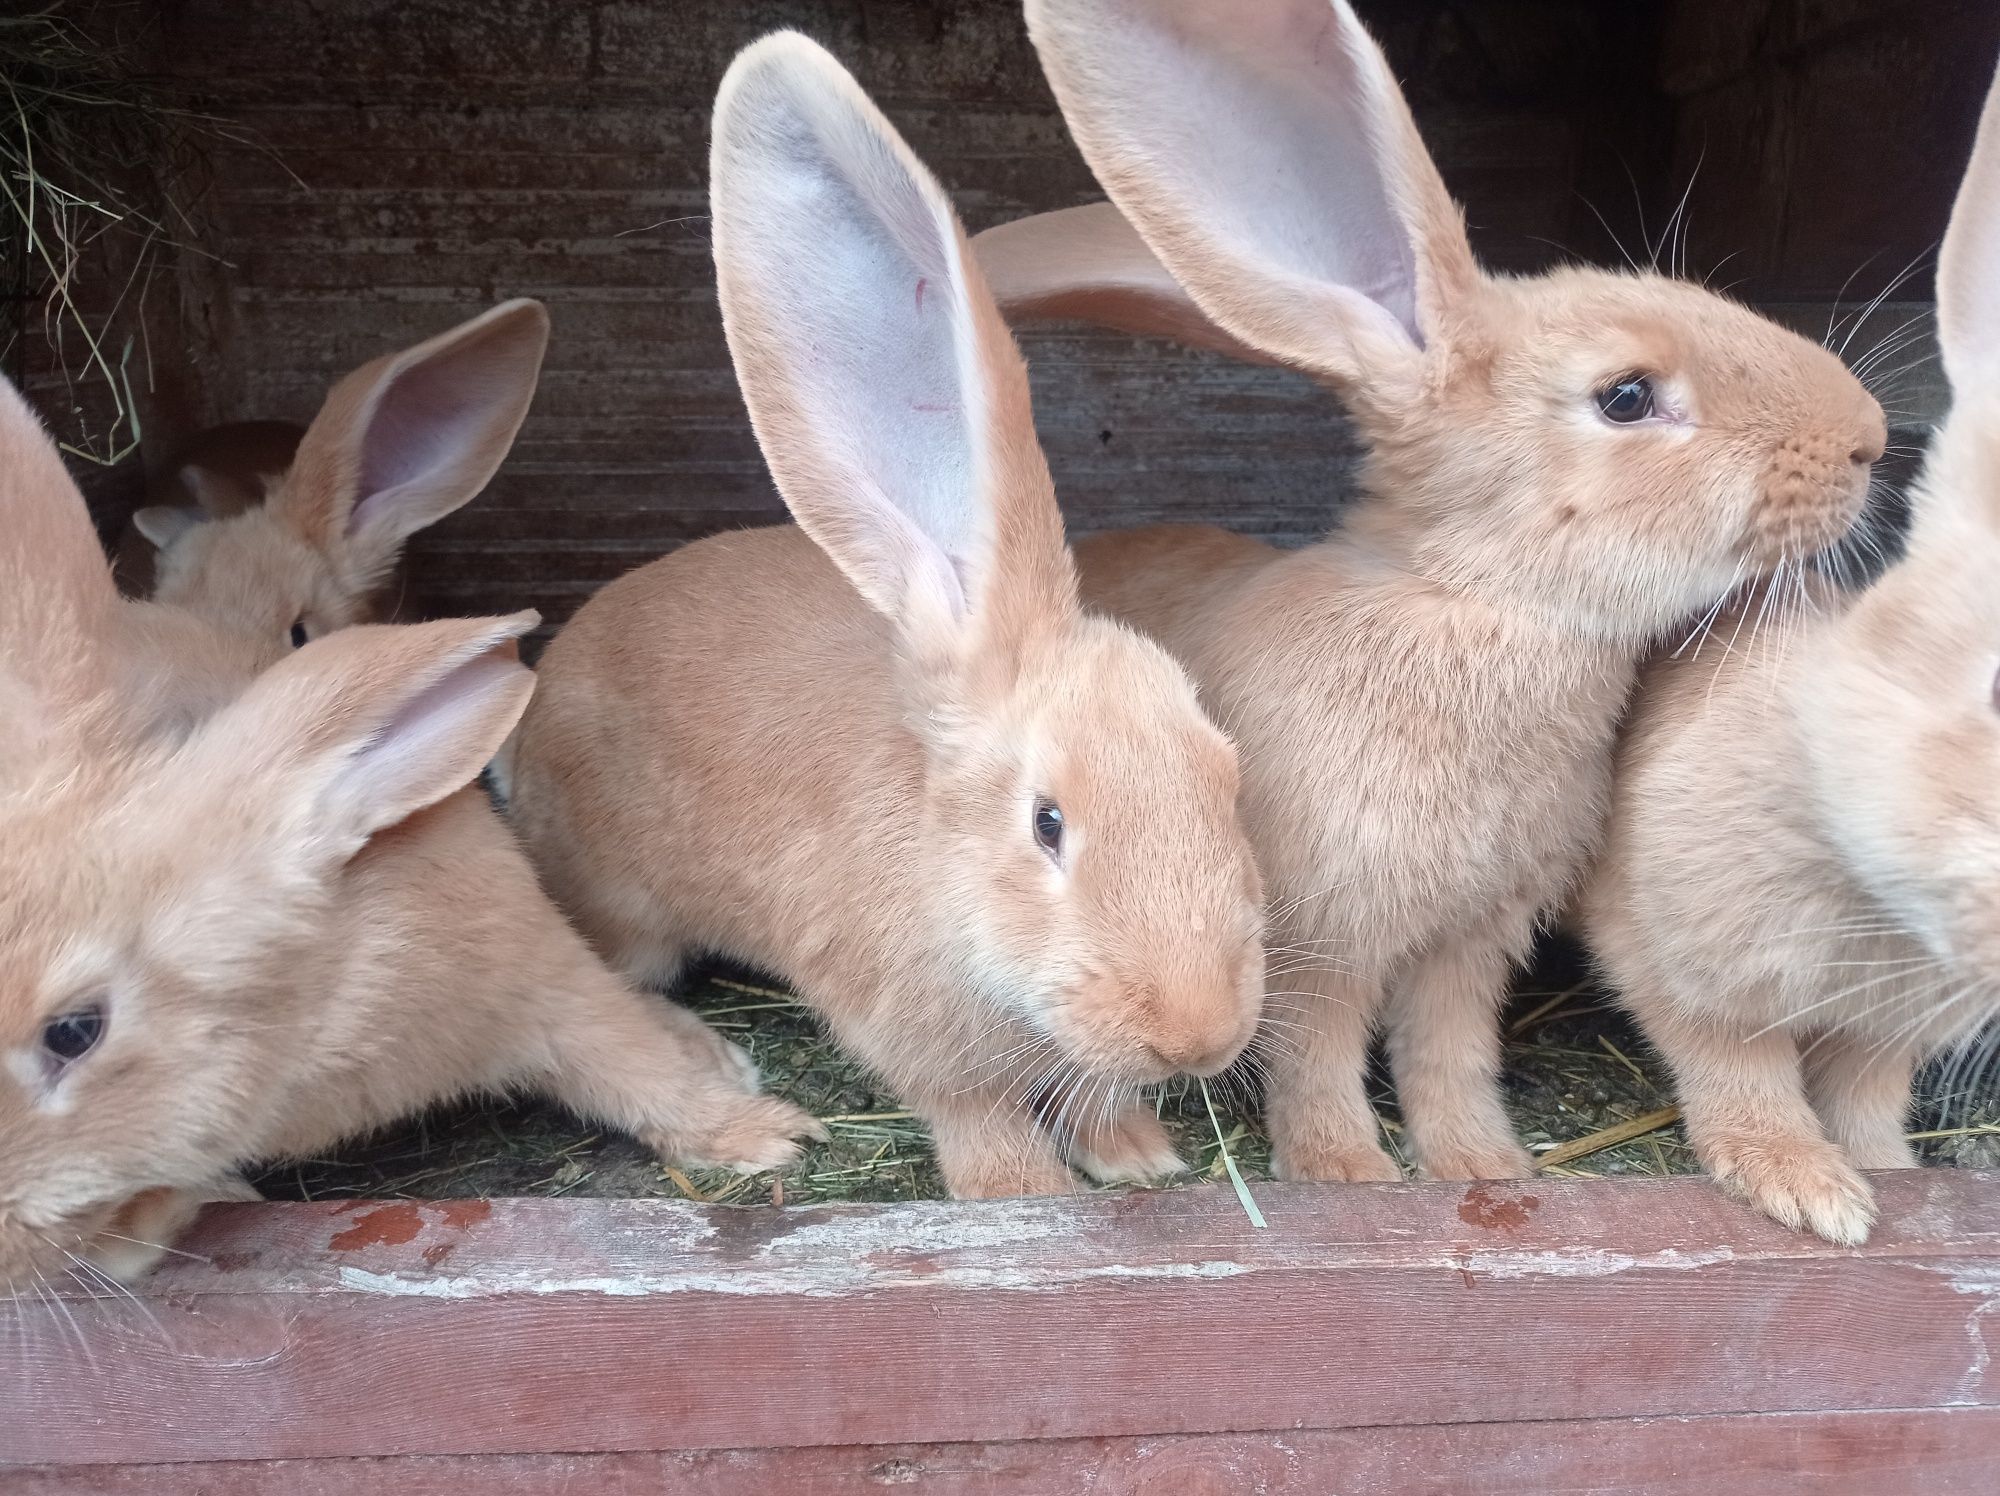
(462, 1215)
(385, 1226)
(401, 1221)
(1484, 1206)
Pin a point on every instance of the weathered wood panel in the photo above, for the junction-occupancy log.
(1823, 138)
(416, 162)
(323, 1331)
(1940, 1452)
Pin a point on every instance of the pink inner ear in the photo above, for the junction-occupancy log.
(428, 420)
(437, 741)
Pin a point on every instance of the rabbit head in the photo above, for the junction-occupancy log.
(1078, 798)
(158, 904)
(155, 895)
(1616, 449)
(399, 444)
(1900, 715)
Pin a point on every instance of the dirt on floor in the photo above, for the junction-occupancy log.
(1578, 1075)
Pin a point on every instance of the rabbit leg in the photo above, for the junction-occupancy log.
(1862, 1094)
(1127, 1147)
(1321, 1124)
(657, 1071)
(1743, 1098)
(144, 1228)
(1444, 1050)
(989, 1146)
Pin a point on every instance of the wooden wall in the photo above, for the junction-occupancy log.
(420, 161)
(414, 162)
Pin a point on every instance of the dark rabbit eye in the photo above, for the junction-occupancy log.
(73, 1035)
(299, 634)
(1627, 401)
(1049, 827)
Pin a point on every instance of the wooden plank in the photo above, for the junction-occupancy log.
(336, 1329)
(1952, 1452)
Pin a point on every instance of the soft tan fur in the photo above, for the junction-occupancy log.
(218, 472)
(1425, 702)
(1800, 895)
(402, 442)
(819, 750)
(272, 990)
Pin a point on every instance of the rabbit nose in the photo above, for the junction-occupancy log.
(1873, 439)
(1194, 1046)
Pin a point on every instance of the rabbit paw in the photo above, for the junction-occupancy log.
(1132, 1148)
(1355, 1163)
(1005, 1174)
(1803, 1183)
(745, 1134)
(1494, 1160)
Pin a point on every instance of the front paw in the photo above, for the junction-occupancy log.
(1350, 1160)
(1804, 1183)
(745, 1134)
(1491, 1159)
(1133, 1148)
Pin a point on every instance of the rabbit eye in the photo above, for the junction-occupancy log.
(299, 634)
(1049, 827)
(72, 1036)
(1626, 400)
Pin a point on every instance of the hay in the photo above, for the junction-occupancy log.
(1588, 1097)
(99, 176)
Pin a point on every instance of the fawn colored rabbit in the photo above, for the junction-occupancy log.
(989, 837)
(1560, 467)
(1800, 895)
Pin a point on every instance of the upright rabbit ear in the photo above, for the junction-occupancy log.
(364, 727)
(886, 393)
(58, 605)
(405, 440)
(1968, 276)
(1266, 155)
(1089, 264)
(163, 524)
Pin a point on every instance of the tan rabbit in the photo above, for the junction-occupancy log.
(988, 837)
(1560, 469)
(253, 930)
(399, 444)
(1800, 896)
(218, 472)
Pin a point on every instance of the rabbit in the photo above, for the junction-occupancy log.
(988, 837)
(1559, 469)
(316, 553)
(160, 871)
(218, 472)
(1799, 897)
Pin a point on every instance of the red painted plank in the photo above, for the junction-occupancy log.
(1941, 1453)
(323, 1330)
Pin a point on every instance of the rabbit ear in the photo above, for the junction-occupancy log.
(1968, 276)
(1266, 155)
(1089, 264)
(58, 604)
(218, 495)
(163, 524)
(886, 393)
(405, 440)
(364, 727)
